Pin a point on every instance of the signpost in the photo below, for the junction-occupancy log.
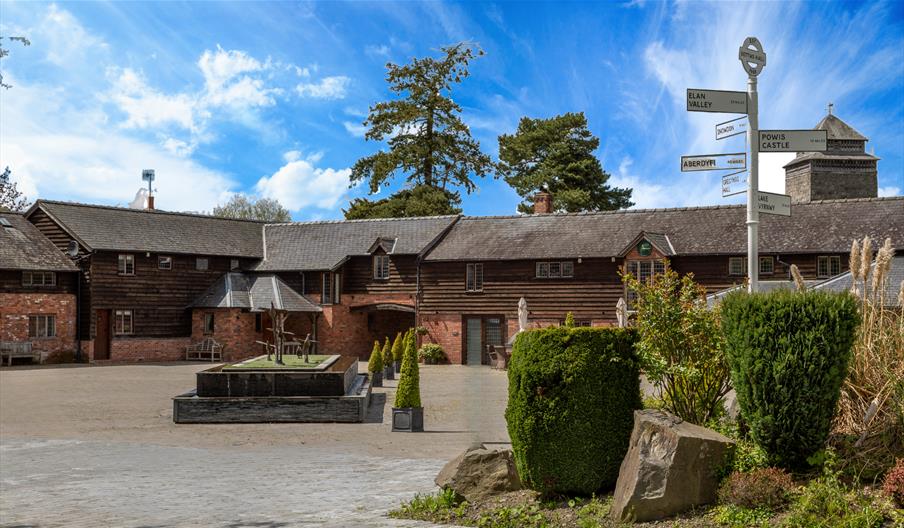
(734, 183)
(731, 128)
(793, 140)
(716, 101)
(707, 162)
(776, 204)
(753, 59)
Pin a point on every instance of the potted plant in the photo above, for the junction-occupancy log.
(407, 413)
(388, 369)
(375, 366)
(431, 353)
(398, 351)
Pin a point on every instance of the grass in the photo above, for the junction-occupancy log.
(289, 362)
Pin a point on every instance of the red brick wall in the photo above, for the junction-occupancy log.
(445, 330)
(342, 331)
(15, 309)
(233, 328)
(147, 348)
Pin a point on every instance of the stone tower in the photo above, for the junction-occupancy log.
(844, 170)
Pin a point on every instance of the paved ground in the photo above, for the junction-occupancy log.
(96, 446)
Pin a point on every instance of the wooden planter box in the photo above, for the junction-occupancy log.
(408, 419)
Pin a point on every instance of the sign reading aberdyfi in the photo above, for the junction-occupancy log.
(793, 140)
(737, 161)
(716, 101)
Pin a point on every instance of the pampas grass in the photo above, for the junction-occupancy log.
(798, 278)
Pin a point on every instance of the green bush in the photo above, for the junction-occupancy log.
(827, 503)
(768, 488)
(431, 351)
(680, 345)
(375, 364)
(387, 353)
(572, 396)
(789, 354)
(398, 347)
(408, 393)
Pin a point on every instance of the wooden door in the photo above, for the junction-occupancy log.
(102, 339)
(474, 340)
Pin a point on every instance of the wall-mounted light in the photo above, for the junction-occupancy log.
(148, 254)
(580, 260)
(613, 259)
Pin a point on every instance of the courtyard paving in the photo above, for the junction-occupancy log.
(96, 446)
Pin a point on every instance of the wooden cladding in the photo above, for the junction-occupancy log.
(14, 281)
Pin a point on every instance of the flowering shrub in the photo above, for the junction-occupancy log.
(760, 488)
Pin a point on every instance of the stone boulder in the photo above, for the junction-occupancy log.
(671, 466)
(479, 473)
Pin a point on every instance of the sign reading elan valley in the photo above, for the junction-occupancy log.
(736, 161)
(716, 101)
(793, 140)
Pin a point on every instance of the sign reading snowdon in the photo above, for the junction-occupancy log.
(776, 204)
(738, 160)
(793, 140)
(716, 101)
(731, 128)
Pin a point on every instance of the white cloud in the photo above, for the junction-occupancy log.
(373, 50)
(292, 155)
(889, 191)
(299, 184)
(221, 66)
(355, 129)
(334, 87)
(147, 108)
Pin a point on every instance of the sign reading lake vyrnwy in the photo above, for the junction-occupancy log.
(777, 204)
(793, 140)
(734, 183)
(731, 128)
(737, 160)
(716, 101)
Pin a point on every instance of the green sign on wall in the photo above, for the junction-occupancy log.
(644, 248)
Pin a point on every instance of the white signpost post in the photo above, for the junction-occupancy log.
(793, 140)
(753, 59)
(707, 162)
(770, 203)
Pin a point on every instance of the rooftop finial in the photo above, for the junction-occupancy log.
(831, 106)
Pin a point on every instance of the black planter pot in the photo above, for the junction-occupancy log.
(429, 361)
(408, 419)
(376, 379)
(398, 366)
(388, 373)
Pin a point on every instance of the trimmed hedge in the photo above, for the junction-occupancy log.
(375, 363)
(398, 347)
(789, 354)
(387, 353)
(572, 397)
(408, 393)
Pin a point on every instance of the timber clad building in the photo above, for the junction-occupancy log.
(148, 283)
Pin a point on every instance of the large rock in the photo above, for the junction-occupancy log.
(670, 467)
(479, 473)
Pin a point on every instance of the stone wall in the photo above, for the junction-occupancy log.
(15, 309)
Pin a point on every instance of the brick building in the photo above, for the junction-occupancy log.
(38, 287)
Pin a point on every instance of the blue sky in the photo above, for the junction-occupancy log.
(268, 98)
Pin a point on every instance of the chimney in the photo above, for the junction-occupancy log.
(150, 202)
(542, 203)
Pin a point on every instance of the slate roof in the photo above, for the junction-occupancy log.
(826, 226)
(855, 156)
(255, 293)
(24, 247)
(326, 245)
(838, 129)
(892, 285)
(122, 229)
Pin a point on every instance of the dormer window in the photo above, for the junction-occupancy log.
(381, 267)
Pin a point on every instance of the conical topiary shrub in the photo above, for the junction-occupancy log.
(375, 366)
(398, 350)
(408, 414)
(388, 369)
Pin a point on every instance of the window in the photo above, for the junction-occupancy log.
(331, 288)
(474, 278)
(208, 323)
(41, 326)
(201, 264)
(165, 263)
(577, 322)
(258, 322)
(737, 266)
(127, 264)
(642, 270)
(555, 270)
(234, 264)
(38, 278)
(381, 266)
(122, 322)
(767, 265)
(827, 266)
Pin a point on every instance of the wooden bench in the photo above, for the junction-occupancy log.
(14, 349)
(206, 349)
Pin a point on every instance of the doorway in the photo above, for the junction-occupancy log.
(480, 332)
(102, 339)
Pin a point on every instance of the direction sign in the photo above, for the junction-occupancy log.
(793, 140)
(752, 56)
(731, 128)
(716, 101)
(737, 160)
(734, 183)
(776, 204)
